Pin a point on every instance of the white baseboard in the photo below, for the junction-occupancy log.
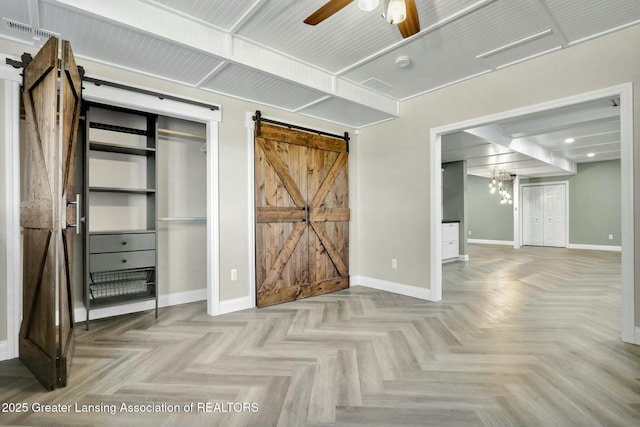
(4, 350)
(163, 301)
(637, 337)
(491, 242)
(463, 258)
(595, 247)
(236, 304)
(397, 288)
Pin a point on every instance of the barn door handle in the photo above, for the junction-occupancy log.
(77, 204)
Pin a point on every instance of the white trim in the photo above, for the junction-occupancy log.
(463, 258)
(491, 242)
(251, 268)
(166, 300)
(213, 221)
(595, 247)
(13, 235)
(637, 335)
(4, 351)
(625, 91)
(566, 207)
(152, 104)
(435, 211)
(123, 98)
(517, 239)
(396, 288)
(9, 73)
(627, 231)
(236, 304)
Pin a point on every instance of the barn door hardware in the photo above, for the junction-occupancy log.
(259, 119)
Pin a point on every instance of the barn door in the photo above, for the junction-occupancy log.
(302, 215)
(51, 97)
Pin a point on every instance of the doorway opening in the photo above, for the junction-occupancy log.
(625, 95)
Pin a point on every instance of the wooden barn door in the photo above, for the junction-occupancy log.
(48, 209)
(302, 214)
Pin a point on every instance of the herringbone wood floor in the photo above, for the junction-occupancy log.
(526, 338)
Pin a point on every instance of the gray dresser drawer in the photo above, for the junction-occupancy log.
(121, 242)
(121, 260)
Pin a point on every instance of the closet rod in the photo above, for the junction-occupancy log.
(185, 219)
(178, 133)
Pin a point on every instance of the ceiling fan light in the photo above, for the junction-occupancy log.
(396, 12)
(367, 5)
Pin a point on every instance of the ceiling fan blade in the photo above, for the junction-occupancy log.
(411, 25)
(326, 11)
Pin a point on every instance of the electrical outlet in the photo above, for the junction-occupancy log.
(234, 275)
(610, 236)
(394, 264)
(469, 232)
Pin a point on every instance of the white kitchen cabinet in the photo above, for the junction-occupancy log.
(450, 241)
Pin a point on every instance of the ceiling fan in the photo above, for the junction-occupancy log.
(400, 12)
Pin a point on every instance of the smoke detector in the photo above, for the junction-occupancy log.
(403, 61)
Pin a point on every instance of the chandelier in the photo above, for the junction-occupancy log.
(501, 182)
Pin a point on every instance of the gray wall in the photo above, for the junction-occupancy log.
(570, 71)
(234, 160)
(454, 197)
(487, 219)
(234, 150)
(235, 219)
(594, 203)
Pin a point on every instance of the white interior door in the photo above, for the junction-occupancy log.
(544, 220)
(532, 216)
(555, 215)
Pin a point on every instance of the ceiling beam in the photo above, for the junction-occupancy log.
(251, 11)
(548, 16)
(496, 134)
(161, 23)
(562, 121)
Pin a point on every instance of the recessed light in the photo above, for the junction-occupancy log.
(569, 140)
(591, 155)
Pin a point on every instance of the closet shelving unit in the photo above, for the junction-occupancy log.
(120, 242)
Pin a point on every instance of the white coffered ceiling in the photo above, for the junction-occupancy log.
(342, 70)
(549, 143)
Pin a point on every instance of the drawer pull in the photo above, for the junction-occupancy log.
(124, 260)
(124, 242)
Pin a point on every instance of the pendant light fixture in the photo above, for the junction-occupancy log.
(502, 182)
(395, 12)
(367, 5)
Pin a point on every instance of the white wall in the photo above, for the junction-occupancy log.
(393, 157)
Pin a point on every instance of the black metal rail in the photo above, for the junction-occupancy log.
(27, 58)
(258, 119)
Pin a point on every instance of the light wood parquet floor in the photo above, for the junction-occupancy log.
(522, 338)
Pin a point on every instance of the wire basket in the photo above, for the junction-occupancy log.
(121, 283)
